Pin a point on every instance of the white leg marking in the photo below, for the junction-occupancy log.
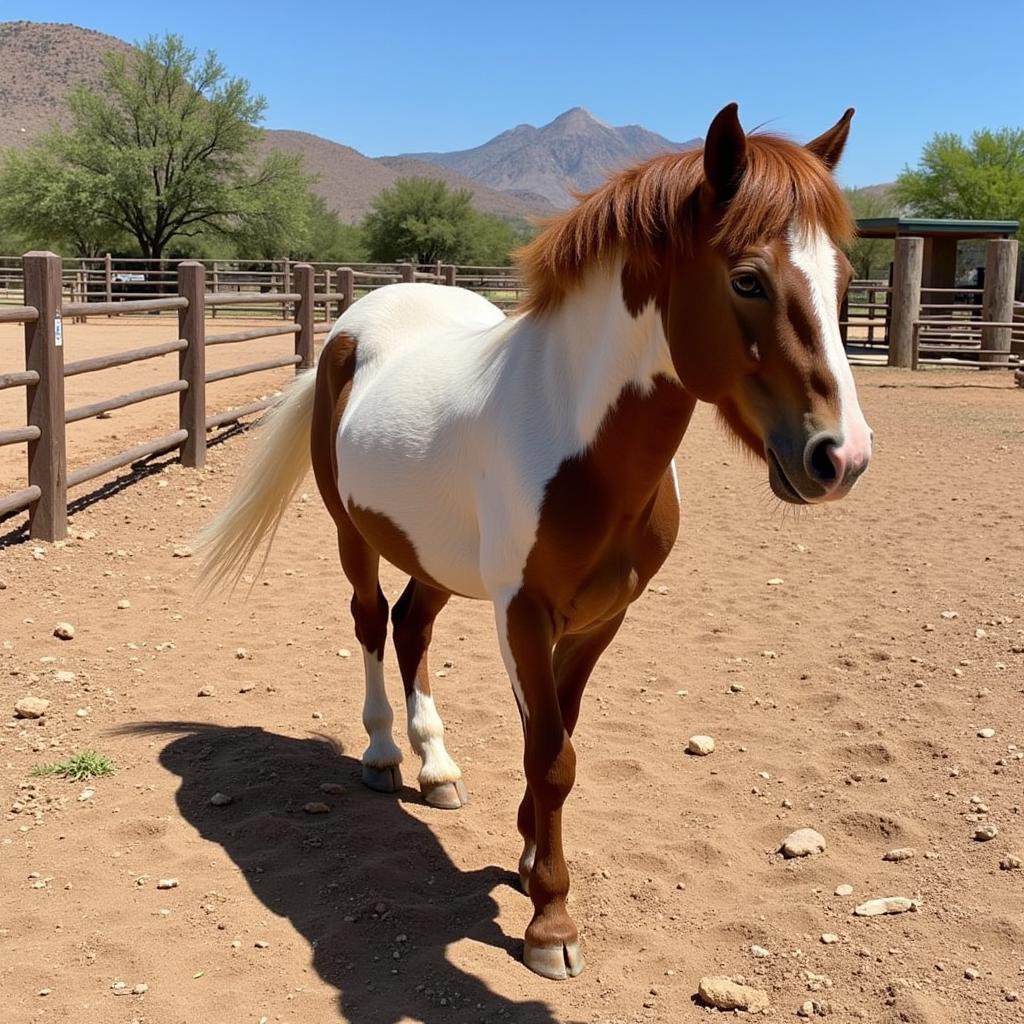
(501, 604)
(426, 734)
(675, 478)
(378, 717)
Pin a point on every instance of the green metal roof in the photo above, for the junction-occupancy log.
(890, 227)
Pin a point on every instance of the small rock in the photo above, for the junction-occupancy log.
(725, 994)
(776, 581)
(806, 1009)
(64, 631)
(140, 989)
(31, 707)
(900, 853)
(983, 833)
(759, 952)
(220, 799)
(86, 794)
(63, 676)
(844, 890)
(206, 691)
(344, 653)
(247, 688)
(315, 807)
(42, 991)
(331, 787)
(829, 938)
(241, 654)
(886, 905)
(972, 973)
(804, 842)
(182, 551)
(1011, 863)
(986, 734)
(736, 687)
(260, 944)
(124, 603)
(167, 883)
(700, 746)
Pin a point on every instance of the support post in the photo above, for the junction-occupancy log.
(906, 299)
(346, 282)
(448, 274)
(44, 353)
(304, 348)
(192, 362)
(108, 277)
(408, 272)
(997, 303)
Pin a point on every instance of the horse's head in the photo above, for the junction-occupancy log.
(752, 316)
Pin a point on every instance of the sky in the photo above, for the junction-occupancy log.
(397, 77)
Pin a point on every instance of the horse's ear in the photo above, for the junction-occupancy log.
(828, 146)
(725, 153)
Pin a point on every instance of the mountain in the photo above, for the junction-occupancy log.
(41, 63)
(574, 152)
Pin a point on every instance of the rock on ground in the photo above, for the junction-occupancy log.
(804, 842)
(31, 707)
(700, 745)
(725, 994)
(885, 905)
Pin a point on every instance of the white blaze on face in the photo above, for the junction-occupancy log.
(813, 253)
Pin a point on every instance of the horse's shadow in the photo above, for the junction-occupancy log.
(361, 883)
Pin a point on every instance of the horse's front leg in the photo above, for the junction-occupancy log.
(526, 634)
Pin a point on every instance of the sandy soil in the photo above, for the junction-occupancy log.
(863, 678)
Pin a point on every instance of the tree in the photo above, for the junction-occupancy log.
(163, 150)
(329, 238)
(980, 181)
(419, 220)
(871, 256)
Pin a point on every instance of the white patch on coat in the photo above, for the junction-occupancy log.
(812, 252)
(378, 717)
(458, 416)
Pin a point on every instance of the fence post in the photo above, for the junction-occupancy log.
(304, 348)
(906, 299)
(44, 353)
(192, 362)
(448, 274)
(408, 272)
(216, 287)
(997, 303)
(346, 281)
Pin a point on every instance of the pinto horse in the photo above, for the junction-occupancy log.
(527, 460)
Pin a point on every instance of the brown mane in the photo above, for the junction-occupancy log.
(653, 206)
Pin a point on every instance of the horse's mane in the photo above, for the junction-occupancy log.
(640, 211)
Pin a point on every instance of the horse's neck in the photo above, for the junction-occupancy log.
(595, 364)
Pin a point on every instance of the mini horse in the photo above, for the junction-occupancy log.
(528, 460)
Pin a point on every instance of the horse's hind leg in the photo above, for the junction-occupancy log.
(413, 620)
(370, 615)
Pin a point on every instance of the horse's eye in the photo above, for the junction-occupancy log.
(747, 286)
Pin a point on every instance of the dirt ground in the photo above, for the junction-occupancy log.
(844, 660)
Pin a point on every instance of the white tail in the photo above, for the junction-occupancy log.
(274, 470)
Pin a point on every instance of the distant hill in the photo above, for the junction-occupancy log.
(574, 152)
(40, 64)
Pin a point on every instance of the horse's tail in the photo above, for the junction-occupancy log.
(274, 469)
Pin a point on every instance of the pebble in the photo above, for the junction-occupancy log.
(983, 833)
(331, 787)
(315, 807)
(260, 944)
(124, 603)
(182, 551)
(63, 676)
(986, 734)
(167, 883)
(725, 994)
(844, 890)
(241, 654)
(806, 1009)
(86, 794)
(1011, 863)
(803, 843)
(31, 707)
(886, 905)
(344, 653)
(759, 952)
(776, 581)
(64, 631)
(140, 989)
(900, 853)
(972, 973)
(829, 938)
(701, 746)
(206, 691)
(220, 799)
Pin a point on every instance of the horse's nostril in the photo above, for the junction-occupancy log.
(821, 460)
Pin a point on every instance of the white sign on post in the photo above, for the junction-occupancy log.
(58, 332)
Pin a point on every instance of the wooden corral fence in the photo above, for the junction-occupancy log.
(47, 305)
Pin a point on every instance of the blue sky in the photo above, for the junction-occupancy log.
(446, 74)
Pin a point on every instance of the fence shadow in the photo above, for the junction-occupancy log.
(350, 881)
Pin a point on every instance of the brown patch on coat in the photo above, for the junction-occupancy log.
(391, 541)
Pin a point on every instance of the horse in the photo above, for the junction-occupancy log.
(528, 460)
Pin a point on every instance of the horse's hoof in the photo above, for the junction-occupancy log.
(554, 962)
(448, 796)
(383, 780)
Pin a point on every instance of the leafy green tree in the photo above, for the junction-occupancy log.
(983, 180)
(162, 151)
(871, 256)
(329, 238)
(420, 220)
(494, 239)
